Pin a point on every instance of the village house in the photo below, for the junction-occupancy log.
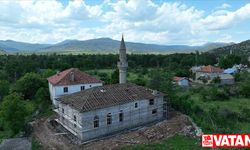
(70, 81)
(226, 79)
(208, 72)
(105, 110)
(181, 81)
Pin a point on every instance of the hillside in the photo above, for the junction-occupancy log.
(242, 48)
(102, 45)
(14, 46)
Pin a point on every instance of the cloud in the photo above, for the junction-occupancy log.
(221, 21)
(224, 6)
(140, 21)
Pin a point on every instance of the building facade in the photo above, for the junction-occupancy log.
(94, 117)
(70, 81)
(209, 72)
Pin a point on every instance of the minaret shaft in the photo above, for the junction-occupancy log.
(122, 64)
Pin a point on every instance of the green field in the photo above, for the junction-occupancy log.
(177, 142)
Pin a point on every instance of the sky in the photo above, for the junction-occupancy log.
(167, 22)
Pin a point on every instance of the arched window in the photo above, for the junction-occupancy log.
(109, 118)
(96, 121)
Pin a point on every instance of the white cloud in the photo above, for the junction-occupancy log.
(140, 21)
(218, 21)
(224, 6)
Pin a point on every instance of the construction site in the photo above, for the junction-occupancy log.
(51, 135)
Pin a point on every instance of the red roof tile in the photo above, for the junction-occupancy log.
(65, 78)
(210, 69)
(179, 78)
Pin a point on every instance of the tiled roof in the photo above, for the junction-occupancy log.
(108, 95)
(72, 76)
(210, 69)
(179, 78)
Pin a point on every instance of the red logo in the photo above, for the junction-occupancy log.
(226, 140)
(207, 140)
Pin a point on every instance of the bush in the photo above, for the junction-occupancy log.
(214, 93)
(245, 89)
(13, 112)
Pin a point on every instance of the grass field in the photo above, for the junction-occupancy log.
(177, 142)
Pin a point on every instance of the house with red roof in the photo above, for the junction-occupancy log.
(70, 81)
(181, 81)
(208, 72)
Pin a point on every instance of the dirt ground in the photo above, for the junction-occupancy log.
(50, 137)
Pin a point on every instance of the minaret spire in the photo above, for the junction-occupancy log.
(122, 64)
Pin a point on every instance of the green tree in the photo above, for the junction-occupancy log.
(155, 82)
(13, 112)
(29, 84)
(48, 72)
(229, 60)
(4, 88)
(115, 77)
(167, 85)
(245, 89)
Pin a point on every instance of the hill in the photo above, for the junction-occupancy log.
(107, 45)
(14, 46)
(102, 45)
(242, 48)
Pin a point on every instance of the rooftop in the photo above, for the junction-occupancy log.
(210, 69)
(108, 95)
(226, 77)
(179, 78)
(72, 76)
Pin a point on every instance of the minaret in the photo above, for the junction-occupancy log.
(122, 64)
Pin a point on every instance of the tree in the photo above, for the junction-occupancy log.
(156, 80)
(115, 77)
(47, 73)
(245, 88)
(13, 112)
(167, 85)
(29, 84)
(229, 60)
(4, 88)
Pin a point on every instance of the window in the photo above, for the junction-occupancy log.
(109, 118)
(65, 89)
(82, 88)
(75, 125)
(121, 116)
(136, 105)
(96, 121)
(151, 102)
(62, 110)
(154, 111)
(74, 117)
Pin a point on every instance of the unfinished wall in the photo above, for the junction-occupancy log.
(132, 117)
